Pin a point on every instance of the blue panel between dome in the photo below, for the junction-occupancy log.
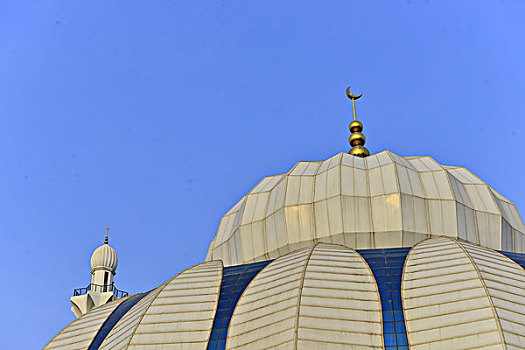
(518, 258)
(235, 279)
(387, 267)
(112, 320)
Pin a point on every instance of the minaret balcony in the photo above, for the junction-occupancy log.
(101, 288)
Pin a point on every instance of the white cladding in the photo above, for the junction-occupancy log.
(324, 297)
(460, 296)
(382, 201)
(123, 331)
(177, 315)
(81, 332)
(456, 295)
(505, 284)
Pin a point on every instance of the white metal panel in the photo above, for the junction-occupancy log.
(442, 184)
(178, 315)
(375, 182)
(417, 164)
(414, 214)
(429, 185)
(333, 182)
(299, 223)
(458, 188)
(446, 303)
(306, 191)
(384, 158)
(80, 333)
(264, 317)
(119, 337)
(259, 241)
(322, 227)
(489, 229)
(235, 248)
(505, 283)
(404, 180)
(372, 162)
(389, 179)
(325, 297)
(430, 164)
(292, 190)
(299, 168)
(320, 186)
(277, 195)
(335, 215)
(356, 214)
(386, 213)
(337, 278)
(466, 223)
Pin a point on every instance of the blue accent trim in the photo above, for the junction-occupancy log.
(112, 320)
(387, 267)
(235, 279)
(519, 258)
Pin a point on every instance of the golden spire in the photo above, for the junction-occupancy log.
(107, 232)
(357, 140)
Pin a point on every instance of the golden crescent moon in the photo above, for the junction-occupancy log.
(350, 96)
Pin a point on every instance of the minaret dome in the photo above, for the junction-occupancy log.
(104, 258)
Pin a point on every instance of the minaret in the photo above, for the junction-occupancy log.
(101, 290)
(103, 267)
(357, 140)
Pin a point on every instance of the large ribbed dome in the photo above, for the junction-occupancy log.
(376, 253)
(104, 257)
(442, 293)
(382, 201)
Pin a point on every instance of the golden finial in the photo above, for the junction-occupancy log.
(357, 140)
(107, 233)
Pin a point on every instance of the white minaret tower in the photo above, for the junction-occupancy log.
(101, 290)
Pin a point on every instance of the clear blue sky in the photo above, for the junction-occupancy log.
(155, 117)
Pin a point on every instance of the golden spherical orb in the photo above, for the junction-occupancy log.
(359, 151)
(357, 139)
(356, 126)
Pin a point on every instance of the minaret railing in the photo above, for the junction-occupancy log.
(101, 288)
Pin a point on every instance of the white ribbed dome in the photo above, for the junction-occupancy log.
(104, 257)
(382, 201)
(442, 293)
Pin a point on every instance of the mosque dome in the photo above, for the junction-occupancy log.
(382, 252)
(354, 252)
(380, 201)
(104, 257)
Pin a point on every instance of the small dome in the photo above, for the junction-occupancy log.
(104, 257)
